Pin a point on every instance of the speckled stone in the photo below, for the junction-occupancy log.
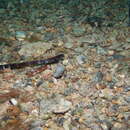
(59, 71)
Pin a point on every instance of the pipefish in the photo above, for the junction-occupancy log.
(48, 61)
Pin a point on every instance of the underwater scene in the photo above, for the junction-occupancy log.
(64, 64)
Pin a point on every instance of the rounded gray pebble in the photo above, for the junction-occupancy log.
(59, 71)
(81, 59)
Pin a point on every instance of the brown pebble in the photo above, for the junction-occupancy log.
(108, 77)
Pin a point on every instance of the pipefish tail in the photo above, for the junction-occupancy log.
(48, 61)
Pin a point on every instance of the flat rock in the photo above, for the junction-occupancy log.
(62, 107)
(34, 49)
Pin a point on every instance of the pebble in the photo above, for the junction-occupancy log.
(111, 52)
(69, 91)
(22, 83)
(118, 126)
(65, 62)
(127, 88)
(111, 84)
(106, 125)
(79, 49)
(101, 51)
(39, 83)
(68, 45)
(127, 116)
(66, 124)
(81, 59)
(78, 30)
(106, 93)
(46, 105)
(36, 123)
(59, 71)
(118, 57)
(48, 36)
(88, 39)
(34, 49)
(62, 107)
(57, 105)
(108, 77)
(89, 117)
(127, 99)
(26, 107)
(60, 121)
(97, 65)
(13, 101)
(98, 77)
(128, 39)
(20, 35)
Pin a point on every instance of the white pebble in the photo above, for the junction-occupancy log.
(13, 101)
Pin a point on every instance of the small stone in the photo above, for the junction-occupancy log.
(36, 123)
(46, 116)
(89, 117)
(22, 83)
(98, 77)
(100, 86)
(34, 49)
(35, 112)
(106, 125)
(39, 83)
(69, 91)
(13, 101)
(128, 39)
(108, 77)
(66, 124)
(127, 116)
(110, 52)
(127, 88)
(87, 39)
(97, 65)
(81, 59)
(106, 93)
(20, 35)
(62, 107)
(46, 105)
(79, 49)
(121, 101)
(78, 30)
(127, 99)
(68, 45)
(26, 107)
(48, 36)
(101, 51)
(60, 121)
(118, 57)
(65, 62)
(118, 126)
(59, 71)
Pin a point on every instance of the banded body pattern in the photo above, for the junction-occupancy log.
(51, 60)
